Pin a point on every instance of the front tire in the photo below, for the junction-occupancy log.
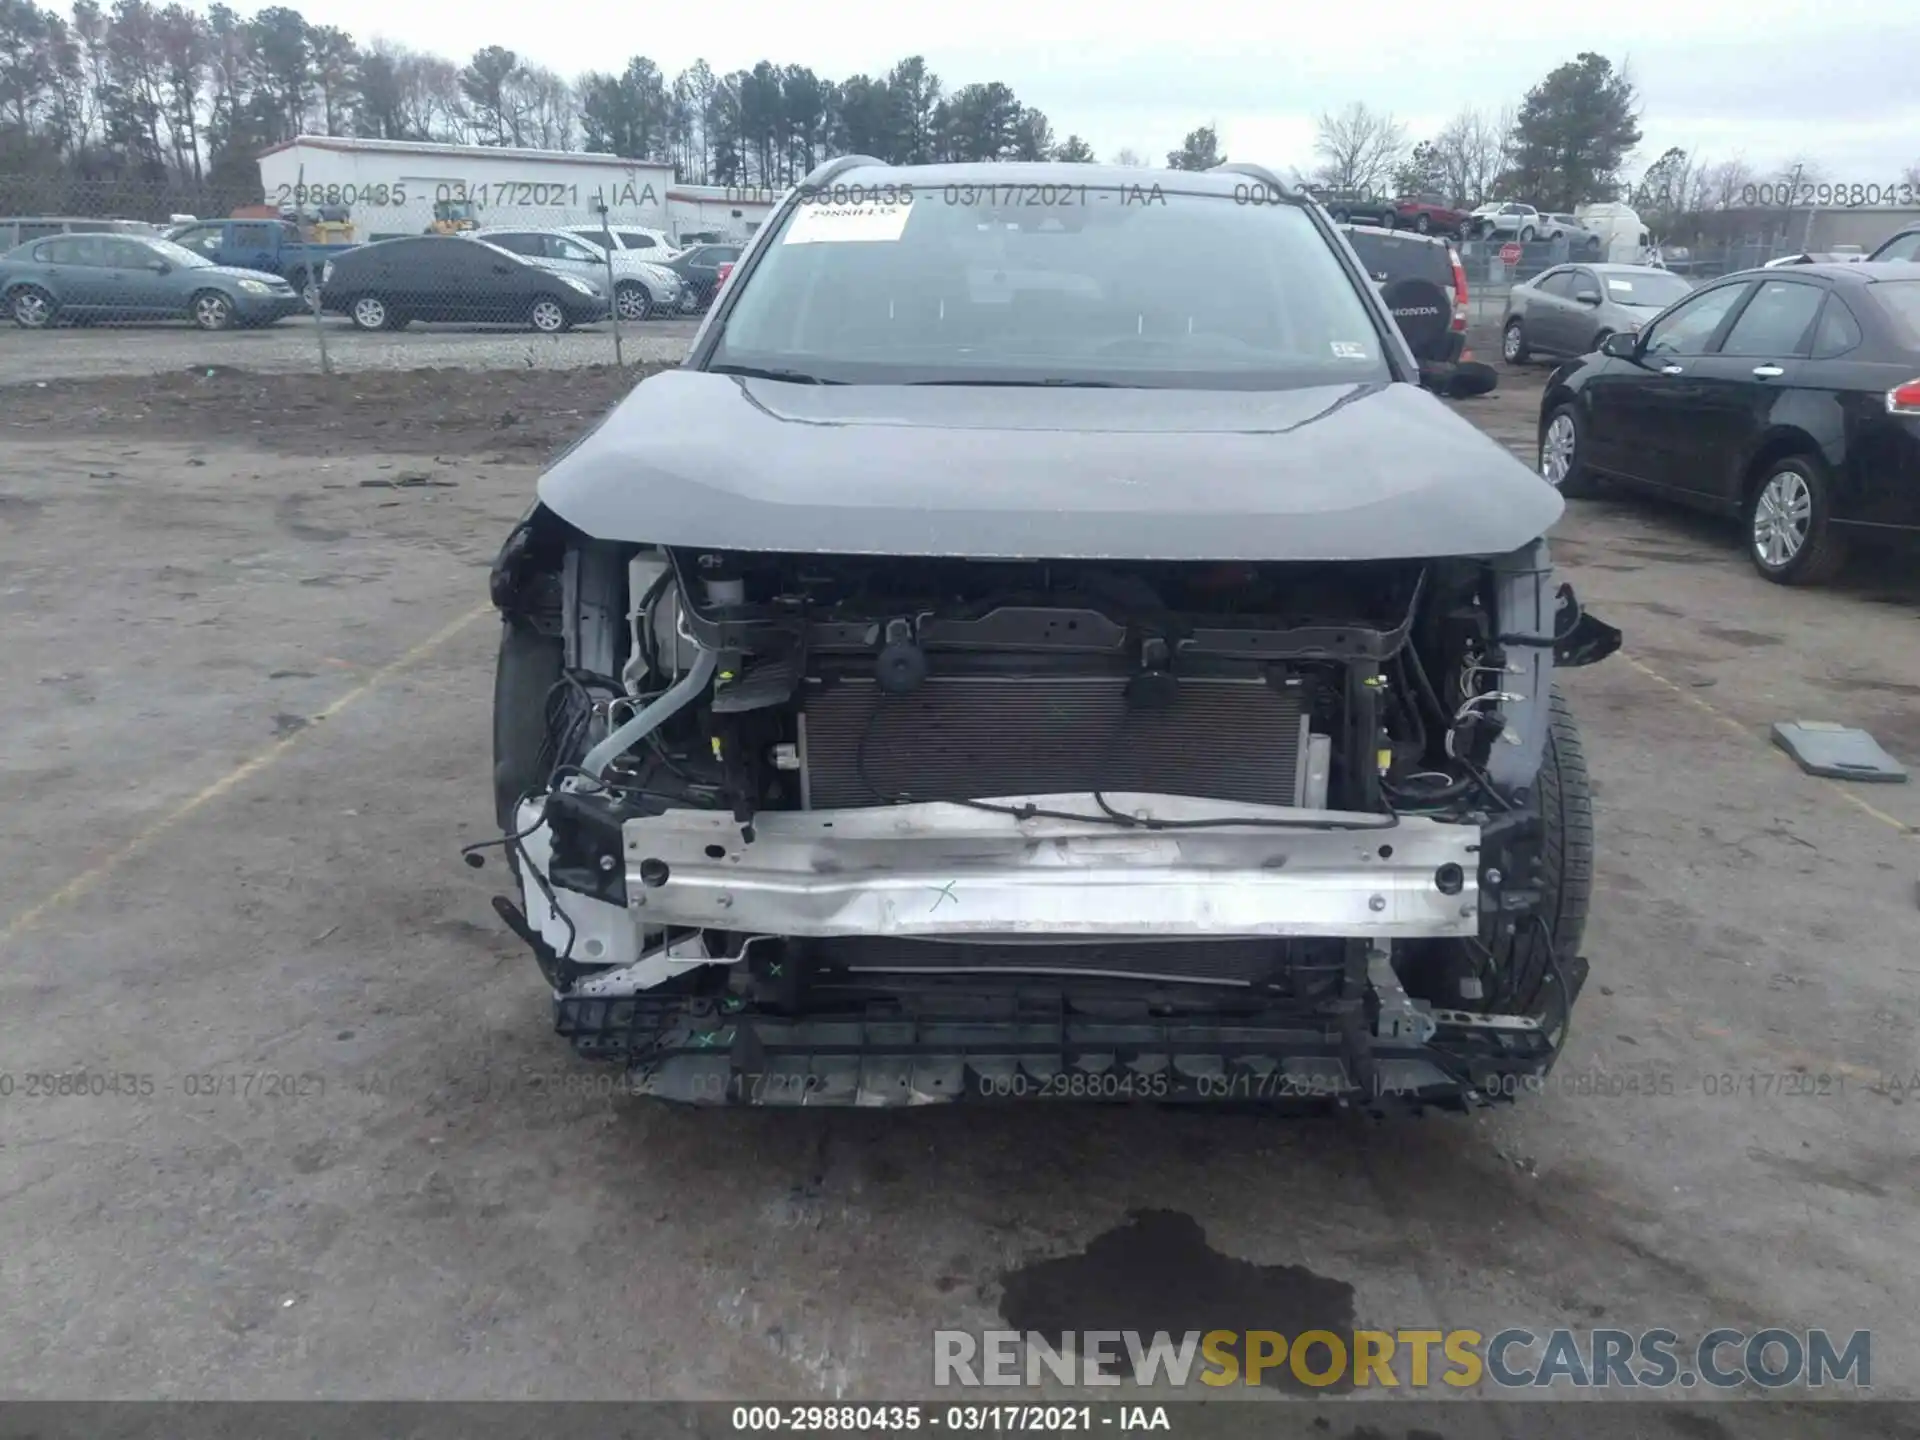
(524, 676)
(1790, 534)
(210, 310)
(32, 308)
(1513, 344)
(1423, 224)
(1562, 459)
(1511, 972)
(632, 302)
(1526, 235)
(1563, 796)
(548, 316)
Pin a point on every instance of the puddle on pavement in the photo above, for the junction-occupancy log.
(1157, 1272)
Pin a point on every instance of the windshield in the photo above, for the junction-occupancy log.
(1075, 289)
(1654, 291)
(177, 255)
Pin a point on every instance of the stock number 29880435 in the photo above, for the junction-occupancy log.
(376, 196)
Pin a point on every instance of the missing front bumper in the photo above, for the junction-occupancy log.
(941, 870)
(707, 1055)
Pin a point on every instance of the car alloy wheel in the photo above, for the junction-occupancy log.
(1556, 450)
(369, 312)
(1526, 236)
(1782, 518)
(1424, 224)
(32, 309)
(1513, 344)
(633, 302)
(212, 311)
(547, 316)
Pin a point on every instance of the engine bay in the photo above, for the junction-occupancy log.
(810, 781)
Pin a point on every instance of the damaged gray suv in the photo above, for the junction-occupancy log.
(985, 671)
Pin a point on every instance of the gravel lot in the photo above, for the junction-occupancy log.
(246, 727)
(291, 346)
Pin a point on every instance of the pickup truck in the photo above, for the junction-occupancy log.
(274, 246)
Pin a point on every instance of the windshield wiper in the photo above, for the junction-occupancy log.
(762, 372)
(1048, 381)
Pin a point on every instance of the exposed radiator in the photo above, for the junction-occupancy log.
(975, 737)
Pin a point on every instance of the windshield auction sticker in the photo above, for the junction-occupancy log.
(855, 221)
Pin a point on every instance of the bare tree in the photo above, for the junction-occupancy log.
(1128, 156)
(1726, 184)
(1359, 147)
(1472, 151)
(1799, 171)
(552, 111)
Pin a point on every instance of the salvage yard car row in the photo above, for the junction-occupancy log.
(547, 280)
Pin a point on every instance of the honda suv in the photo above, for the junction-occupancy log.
(1425, 288)
(983, 671)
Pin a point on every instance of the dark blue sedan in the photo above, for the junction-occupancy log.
(134, 277)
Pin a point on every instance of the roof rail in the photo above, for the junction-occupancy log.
(839, 165)
(1257, 172)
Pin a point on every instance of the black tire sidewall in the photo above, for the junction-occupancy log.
(1579, 483)
(1515, 326)
(1821, 554)
(528, 667)
(1563, 798)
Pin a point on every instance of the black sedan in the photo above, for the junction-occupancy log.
(699, 270)
(1790, 399)
(385, 285)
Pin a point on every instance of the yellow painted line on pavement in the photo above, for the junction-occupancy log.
(1747, 734)
(240, 773)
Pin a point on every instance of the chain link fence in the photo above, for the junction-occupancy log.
(1493, 268)
(119, 277)
(188, 275)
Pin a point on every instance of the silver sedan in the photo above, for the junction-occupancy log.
(1570, 309)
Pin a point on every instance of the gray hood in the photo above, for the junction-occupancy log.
(1348, 472)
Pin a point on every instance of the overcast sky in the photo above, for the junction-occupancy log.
(1766, 81)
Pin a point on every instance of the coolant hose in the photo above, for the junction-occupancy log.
(676, 699)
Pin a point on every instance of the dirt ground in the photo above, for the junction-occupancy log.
(523, 414)
(244, 731)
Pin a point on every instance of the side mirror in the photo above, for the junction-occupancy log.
(1621, 346)
(1588, 297)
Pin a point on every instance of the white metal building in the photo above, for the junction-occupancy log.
(732, 212)
(391, 187)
